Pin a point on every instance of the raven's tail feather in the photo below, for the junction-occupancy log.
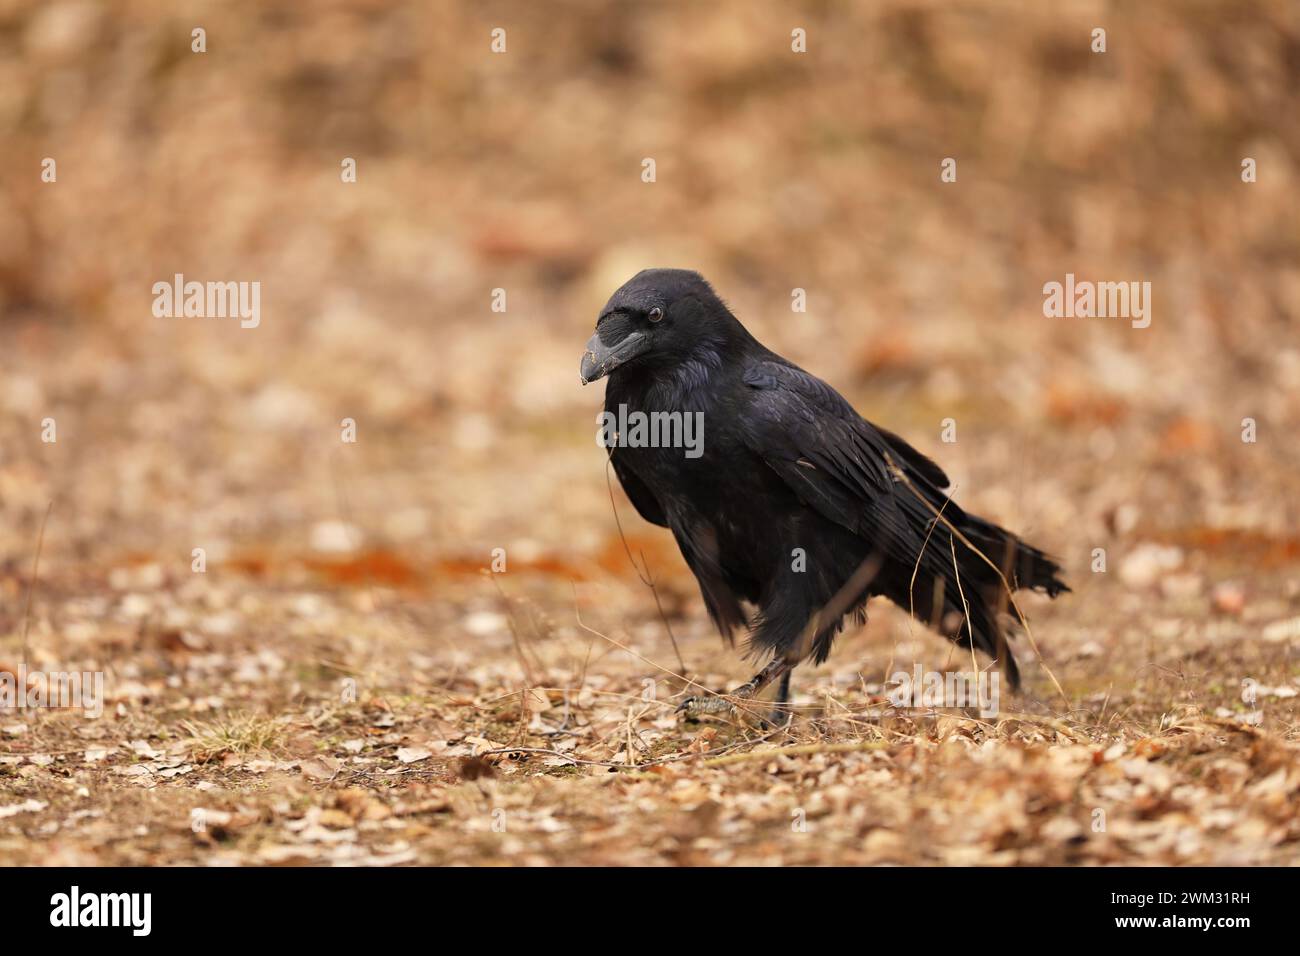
(962, 593)
(1023, 565)
(1019, 565)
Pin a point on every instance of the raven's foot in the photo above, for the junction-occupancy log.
(698, 705)
(725, 705)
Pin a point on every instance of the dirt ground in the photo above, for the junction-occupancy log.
(430, 645)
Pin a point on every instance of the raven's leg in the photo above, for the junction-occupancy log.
(781, 713)
(718, 704)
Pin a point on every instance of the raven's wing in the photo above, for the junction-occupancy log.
(913, 459)
(639, 493)
(836, 461)
(839, 464)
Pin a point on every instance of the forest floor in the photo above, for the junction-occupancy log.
(369, 707)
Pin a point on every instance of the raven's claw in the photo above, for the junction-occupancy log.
(693, 707)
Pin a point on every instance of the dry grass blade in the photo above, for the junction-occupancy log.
(31, 587)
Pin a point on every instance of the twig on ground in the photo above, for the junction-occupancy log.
(31, 587)
(798, 750)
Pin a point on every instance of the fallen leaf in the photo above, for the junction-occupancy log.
(27, 806)
(320, 768)
(413, 754)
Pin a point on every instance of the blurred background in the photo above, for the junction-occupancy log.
(522, 170)
(344, 679)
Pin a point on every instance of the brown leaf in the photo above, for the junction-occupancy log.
(320, 768)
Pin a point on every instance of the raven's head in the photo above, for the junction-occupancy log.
(660, 317)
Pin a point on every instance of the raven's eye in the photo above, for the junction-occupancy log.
(656, 314)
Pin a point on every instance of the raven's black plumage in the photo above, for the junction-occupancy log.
(788, 464)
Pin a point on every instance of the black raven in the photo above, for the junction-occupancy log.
(792, 501)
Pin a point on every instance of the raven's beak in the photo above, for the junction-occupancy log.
(601, 359)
